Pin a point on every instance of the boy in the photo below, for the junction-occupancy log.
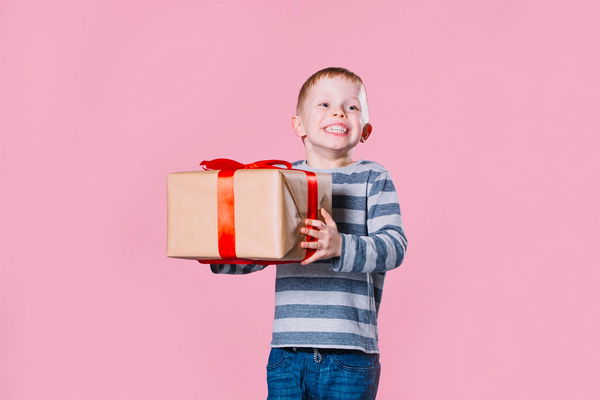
(324, 341)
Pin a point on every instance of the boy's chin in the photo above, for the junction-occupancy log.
(339, 150)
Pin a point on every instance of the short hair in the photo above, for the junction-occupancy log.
(329, 72)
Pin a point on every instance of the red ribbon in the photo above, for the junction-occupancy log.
(226, 201)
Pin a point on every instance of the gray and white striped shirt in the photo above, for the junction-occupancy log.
(333, 303)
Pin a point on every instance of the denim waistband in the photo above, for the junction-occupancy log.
(323, 350)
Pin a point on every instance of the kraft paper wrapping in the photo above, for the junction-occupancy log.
(270, 209)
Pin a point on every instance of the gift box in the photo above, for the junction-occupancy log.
(244, 213)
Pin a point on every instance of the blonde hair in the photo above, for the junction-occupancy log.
(328, 72)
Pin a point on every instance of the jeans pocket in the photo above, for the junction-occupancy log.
(276, 357)
(356, 361)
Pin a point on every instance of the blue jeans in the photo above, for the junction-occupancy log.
(323, 374)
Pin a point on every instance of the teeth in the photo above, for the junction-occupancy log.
(335, 129)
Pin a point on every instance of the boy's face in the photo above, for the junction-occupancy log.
(333, 117)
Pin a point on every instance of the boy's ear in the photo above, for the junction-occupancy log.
(366, 132)
(298, 127)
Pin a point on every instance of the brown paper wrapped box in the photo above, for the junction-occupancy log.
(270, 208)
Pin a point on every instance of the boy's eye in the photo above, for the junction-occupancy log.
(356, 108)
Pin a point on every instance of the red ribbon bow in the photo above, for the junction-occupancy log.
(225, 207)
(229, 164)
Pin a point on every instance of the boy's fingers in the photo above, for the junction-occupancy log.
(314, 222)
(314, 257)
(310, 245)
(311, 232)
(328, 219)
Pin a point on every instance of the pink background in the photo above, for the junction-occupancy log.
(486, 113)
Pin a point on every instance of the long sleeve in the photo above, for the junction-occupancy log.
(236, 269)
(384, 247)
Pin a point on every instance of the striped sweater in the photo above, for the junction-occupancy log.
(333, 303)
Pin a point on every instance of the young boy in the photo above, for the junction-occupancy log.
(324, 343)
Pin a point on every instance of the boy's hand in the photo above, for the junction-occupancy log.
(329, 243)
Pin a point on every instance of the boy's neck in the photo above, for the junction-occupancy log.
(321, 163)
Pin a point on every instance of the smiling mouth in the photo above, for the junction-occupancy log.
(335, 132)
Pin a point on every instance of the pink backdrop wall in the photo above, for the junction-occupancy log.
(486, 113)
